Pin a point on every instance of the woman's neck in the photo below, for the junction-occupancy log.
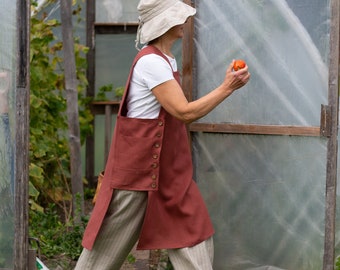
(164, 46)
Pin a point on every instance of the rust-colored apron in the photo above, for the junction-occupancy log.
(154, 155)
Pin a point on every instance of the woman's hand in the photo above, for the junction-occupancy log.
(234, 80)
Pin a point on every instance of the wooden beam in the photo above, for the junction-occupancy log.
(188, 57)
(116, 28)
(188, 60)
(99, 107)
(332, 144)
(72, 111)
(21, 137)
(255, 129)
(90, 43)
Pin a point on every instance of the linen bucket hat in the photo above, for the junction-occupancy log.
(158, 16)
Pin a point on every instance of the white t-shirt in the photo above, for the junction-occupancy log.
(150, 70)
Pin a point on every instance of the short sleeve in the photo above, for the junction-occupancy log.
(154, 70)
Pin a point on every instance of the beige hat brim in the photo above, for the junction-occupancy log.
(157, 26)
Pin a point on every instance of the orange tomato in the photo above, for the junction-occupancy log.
(239, 64)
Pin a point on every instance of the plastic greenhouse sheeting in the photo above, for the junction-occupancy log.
(7, 120)
(113, 11)
(265, 193)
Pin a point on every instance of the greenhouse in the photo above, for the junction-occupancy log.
(265, 159)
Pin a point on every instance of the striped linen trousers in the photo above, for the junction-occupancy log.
(120, 231)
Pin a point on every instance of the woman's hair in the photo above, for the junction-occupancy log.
(153, 41)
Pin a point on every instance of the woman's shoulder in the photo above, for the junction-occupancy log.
(152, 61)
(152, 58)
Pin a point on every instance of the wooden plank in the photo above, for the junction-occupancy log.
(115, 28)
(326, 120)
(332, 145)
(21, 137)
(188, 57)
(127, 24)
(98, 107)
(90, 73)
(188, 60)
(72, 113)
(255, 129)
(107, 102)
(108, 127)
(90, 43)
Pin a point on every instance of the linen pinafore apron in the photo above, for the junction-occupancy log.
(153, 155)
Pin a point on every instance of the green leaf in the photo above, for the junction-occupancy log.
(35, 171)
(32, 191)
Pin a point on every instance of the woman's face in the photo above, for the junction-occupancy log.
(176, 32)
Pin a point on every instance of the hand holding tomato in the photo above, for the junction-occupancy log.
(239, 64)
(237, 75)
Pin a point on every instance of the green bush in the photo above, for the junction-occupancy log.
(49, 168)
(57, 239)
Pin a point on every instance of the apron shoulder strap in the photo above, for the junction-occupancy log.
(147, 50)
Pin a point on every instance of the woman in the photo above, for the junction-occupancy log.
(148, 192)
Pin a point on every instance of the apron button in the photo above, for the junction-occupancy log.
(157, 145)
(154, 165)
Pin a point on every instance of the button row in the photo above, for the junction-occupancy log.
(154, 165)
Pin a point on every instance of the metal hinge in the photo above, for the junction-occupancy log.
(326, 120)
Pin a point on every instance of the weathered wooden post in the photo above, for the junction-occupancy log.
(72, 108)
(332, 146)
(22, 137)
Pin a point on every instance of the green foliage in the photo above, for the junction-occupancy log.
(56, 237)
(337, 263)
(131, 259)
(49, 169)
(49, 149)
(119, 91)
(102, 93)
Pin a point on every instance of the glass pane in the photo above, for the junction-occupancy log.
(114, 55)
(7, 131)
(285, 44)
(113, 11)
(99, 144)
(266, 197)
